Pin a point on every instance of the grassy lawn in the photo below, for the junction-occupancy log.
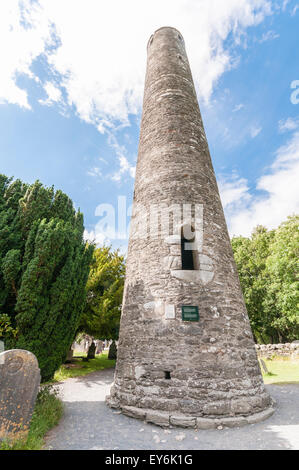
(67, 371)
(282, 370)
(47, 413)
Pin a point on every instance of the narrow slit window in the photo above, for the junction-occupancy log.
(188, 255)
(167, 374)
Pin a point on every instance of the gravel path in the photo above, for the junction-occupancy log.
(89, 424)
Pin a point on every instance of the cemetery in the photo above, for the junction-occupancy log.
(185, 338)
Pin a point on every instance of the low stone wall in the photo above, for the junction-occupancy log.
(269, 350)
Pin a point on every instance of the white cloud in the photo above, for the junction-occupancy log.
(101, 47)
(25, 33)
(238, 107)
(254, 131)
(279, 189)
(293, 12)
(124, 165)
(53, 93)
(269, 36)
(288, 124)
(233, 191)
(95, 172)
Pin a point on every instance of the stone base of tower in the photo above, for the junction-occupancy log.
(166, 419)
(177, 391)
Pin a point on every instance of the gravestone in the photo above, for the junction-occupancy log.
(19, 383)
(91, 351)
(1, 346)
(112, 354)
(100, 347)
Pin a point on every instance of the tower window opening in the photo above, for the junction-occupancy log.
(167, 375)
(188, 254)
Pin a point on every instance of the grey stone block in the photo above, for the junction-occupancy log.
(134, 412)
(157, 417)
(183, 421)
(258, 417)
(234, 422)
(207, 423)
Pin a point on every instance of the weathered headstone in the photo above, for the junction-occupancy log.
(1, 346)
(19, 383)
(112, 354)
(100, 347)
(91, 351)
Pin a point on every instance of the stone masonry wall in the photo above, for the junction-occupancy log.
(282, 349)
(168, 367)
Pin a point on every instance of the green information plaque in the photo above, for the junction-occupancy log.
(190, 313)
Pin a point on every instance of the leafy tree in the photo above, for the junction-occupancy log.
(5, 327)
(104, 294)
(267, 263)
(250, 256)
(44, 266)
(283, 291)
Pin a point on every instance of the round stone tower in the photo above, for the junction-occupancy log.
(186, 353)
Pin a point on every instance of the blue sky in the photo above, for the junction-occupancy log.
(71, 89)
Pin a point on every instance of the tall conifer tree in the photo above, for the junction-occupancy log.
(43, 271)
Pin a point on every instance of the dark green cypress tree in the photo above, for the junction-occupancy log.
(44, 269)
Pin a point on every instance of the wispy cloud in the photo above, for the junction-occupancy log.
(95, 172)
(54, 94)
(125, 168)
(288, 124)
(25, 33)
(98, 57)
(276, 194)
(233, 190)
(255, 131)
(269, 36)
(238, 107)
